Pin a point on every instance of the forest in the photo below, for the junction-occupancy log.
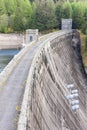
(19, 15)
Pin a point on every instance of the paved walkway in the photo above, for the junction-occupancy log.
(11, 93)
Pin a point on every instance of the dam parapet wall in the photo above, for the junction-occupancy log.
(57, 63)
(11, 41)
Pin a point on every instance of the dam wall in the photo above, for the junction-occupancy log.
(45, 106)
(11, 41)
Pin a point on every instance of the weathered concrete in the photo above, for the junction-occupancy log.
(45, 107)
(66, 24)
(11, 41)
(31, 35)
(12, 85)
(54, 61)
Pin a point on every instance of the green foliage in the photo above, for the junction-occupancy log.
(22, 15)
(2, 8)
(58, 13)
(84, 25)
(3, 23)
(9, 6)
(77, 15)
(19, 15)
(44, 17)
(66, 10)
(86, 42)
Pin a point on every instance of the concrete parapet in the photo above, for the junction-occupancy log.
(11, 41)
(44, 104)
(31, 35)
(66, 24)
(12, 64)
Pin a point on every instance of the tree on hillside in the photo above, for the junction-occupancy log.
(66, 10)
(22, 15)
(32, 20)
(18, 24)
(84, 25)
(86, 42)
(9, 6)
(42, 14)
(3, 23)
(2, 7)
(17, 14)
(51, 17)
(77, 16)
(44, 17)
(58, 13)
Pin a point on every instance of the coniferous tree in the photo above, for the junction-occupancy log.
(3, 23)
(10, 9)
(2, 7)
(9, 6)
(42, 14)
(77, 16)
(66, 10)
(22, 15)
(58, 13)
(84, 25)
(86, 42)
(45, 15)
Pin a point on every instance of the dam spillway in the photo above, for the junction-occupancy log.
(57, 64)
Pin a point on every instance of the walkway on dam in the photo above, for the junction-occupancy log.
(12, 91)
(57, 65)
(33, 86)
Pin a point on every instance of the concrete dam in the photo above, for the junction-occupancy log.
(56, 64)
(55, 92)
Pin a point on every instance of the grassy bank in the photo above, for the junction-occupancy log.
(83, 49)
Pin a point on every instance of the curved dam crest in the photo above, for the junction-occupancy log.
(48, 65)
(12, 85)
(57, 64)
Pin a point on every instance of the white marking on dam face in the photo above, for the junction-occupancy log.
(70, 86)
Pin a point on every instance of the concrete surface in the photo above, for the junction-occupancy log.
(11, 41)
(39, 75)
(13, 79)
(58, 64)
